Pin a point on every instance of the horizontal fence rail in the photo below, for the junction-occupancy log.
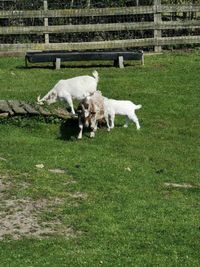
(98, 12)
(102, 44)
(77, 12)
(189, 24)
(103, 28)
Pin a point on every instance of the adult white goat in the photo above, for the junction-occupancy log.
(120, 107)
(73, 88)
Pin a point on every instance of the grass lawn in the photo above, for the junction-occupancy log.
(125, 198)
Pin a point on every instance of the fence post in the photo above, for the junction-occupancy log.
(46, 22)
(88, 3)
(157, 21)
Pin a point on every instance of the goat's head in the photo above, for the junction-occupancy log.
(39, 101)
(86, 112)
(49, 99)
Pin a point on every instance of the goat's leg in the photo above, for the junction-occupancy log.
(112, 120)
(80, 125)
(70, 102)
(92, 134)
(93, 127)
(134, 118)
(107, 122)
(126, 123)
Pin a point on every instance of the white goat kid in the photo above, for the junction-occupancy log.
(73, 88)
(120, 107)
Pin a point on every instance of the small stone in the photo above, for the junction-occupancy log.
(57, 170)
(176, 185)
(39, 166)
(3, 159)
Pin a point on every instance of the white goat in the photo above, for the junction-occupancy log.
(120, 107)
(73, 88)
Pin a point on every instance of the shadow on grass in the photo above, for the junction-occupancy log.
(69, 130)
(72, 66)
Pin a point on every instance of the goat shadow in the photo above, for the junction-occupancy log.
(69, 130)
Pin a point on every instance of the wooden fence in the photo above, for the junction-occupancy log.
(189, 27)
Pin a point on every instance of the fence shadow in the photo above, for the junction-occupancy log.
(73, 66)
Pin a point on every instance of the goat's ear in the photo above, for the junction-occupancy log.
(82, 106)
(53, 94)
(93, 108)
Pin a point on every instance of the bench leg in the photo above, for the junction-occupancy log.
(142, 61)
(58, 63)
(26, 62)
(121, 62)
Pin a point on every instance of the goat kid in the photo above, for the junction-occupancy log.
(73, 88)
(120, 107)
(90, 112)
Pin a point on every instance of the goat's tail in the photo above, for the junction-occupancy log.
(138, 106)
(96, 75)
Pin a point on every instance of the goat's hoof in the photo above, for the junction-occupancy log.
(74, 115)
(92, 135)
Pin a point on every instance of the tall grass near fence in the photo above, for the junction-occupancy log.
(125, 198)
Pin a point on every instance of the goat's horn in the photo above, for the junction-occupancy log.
(82, 106)
(38, 98)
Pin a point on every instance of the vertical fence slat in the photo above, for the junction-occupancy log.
(46, 22)
(157, 21)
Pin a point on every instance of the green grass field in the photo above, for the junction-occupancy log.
(125, 198)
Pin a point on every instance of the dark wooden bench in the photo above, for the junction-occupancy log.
(56, 57)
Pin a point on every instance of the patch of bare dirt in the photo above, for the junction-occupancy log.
(79, 195)
(21, 217)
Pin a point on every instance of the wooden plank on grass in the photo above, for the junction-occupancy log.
(44, 112)
(4, 115)
(61, 113)
(5, 108)
(17, 107)
(29, 108)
